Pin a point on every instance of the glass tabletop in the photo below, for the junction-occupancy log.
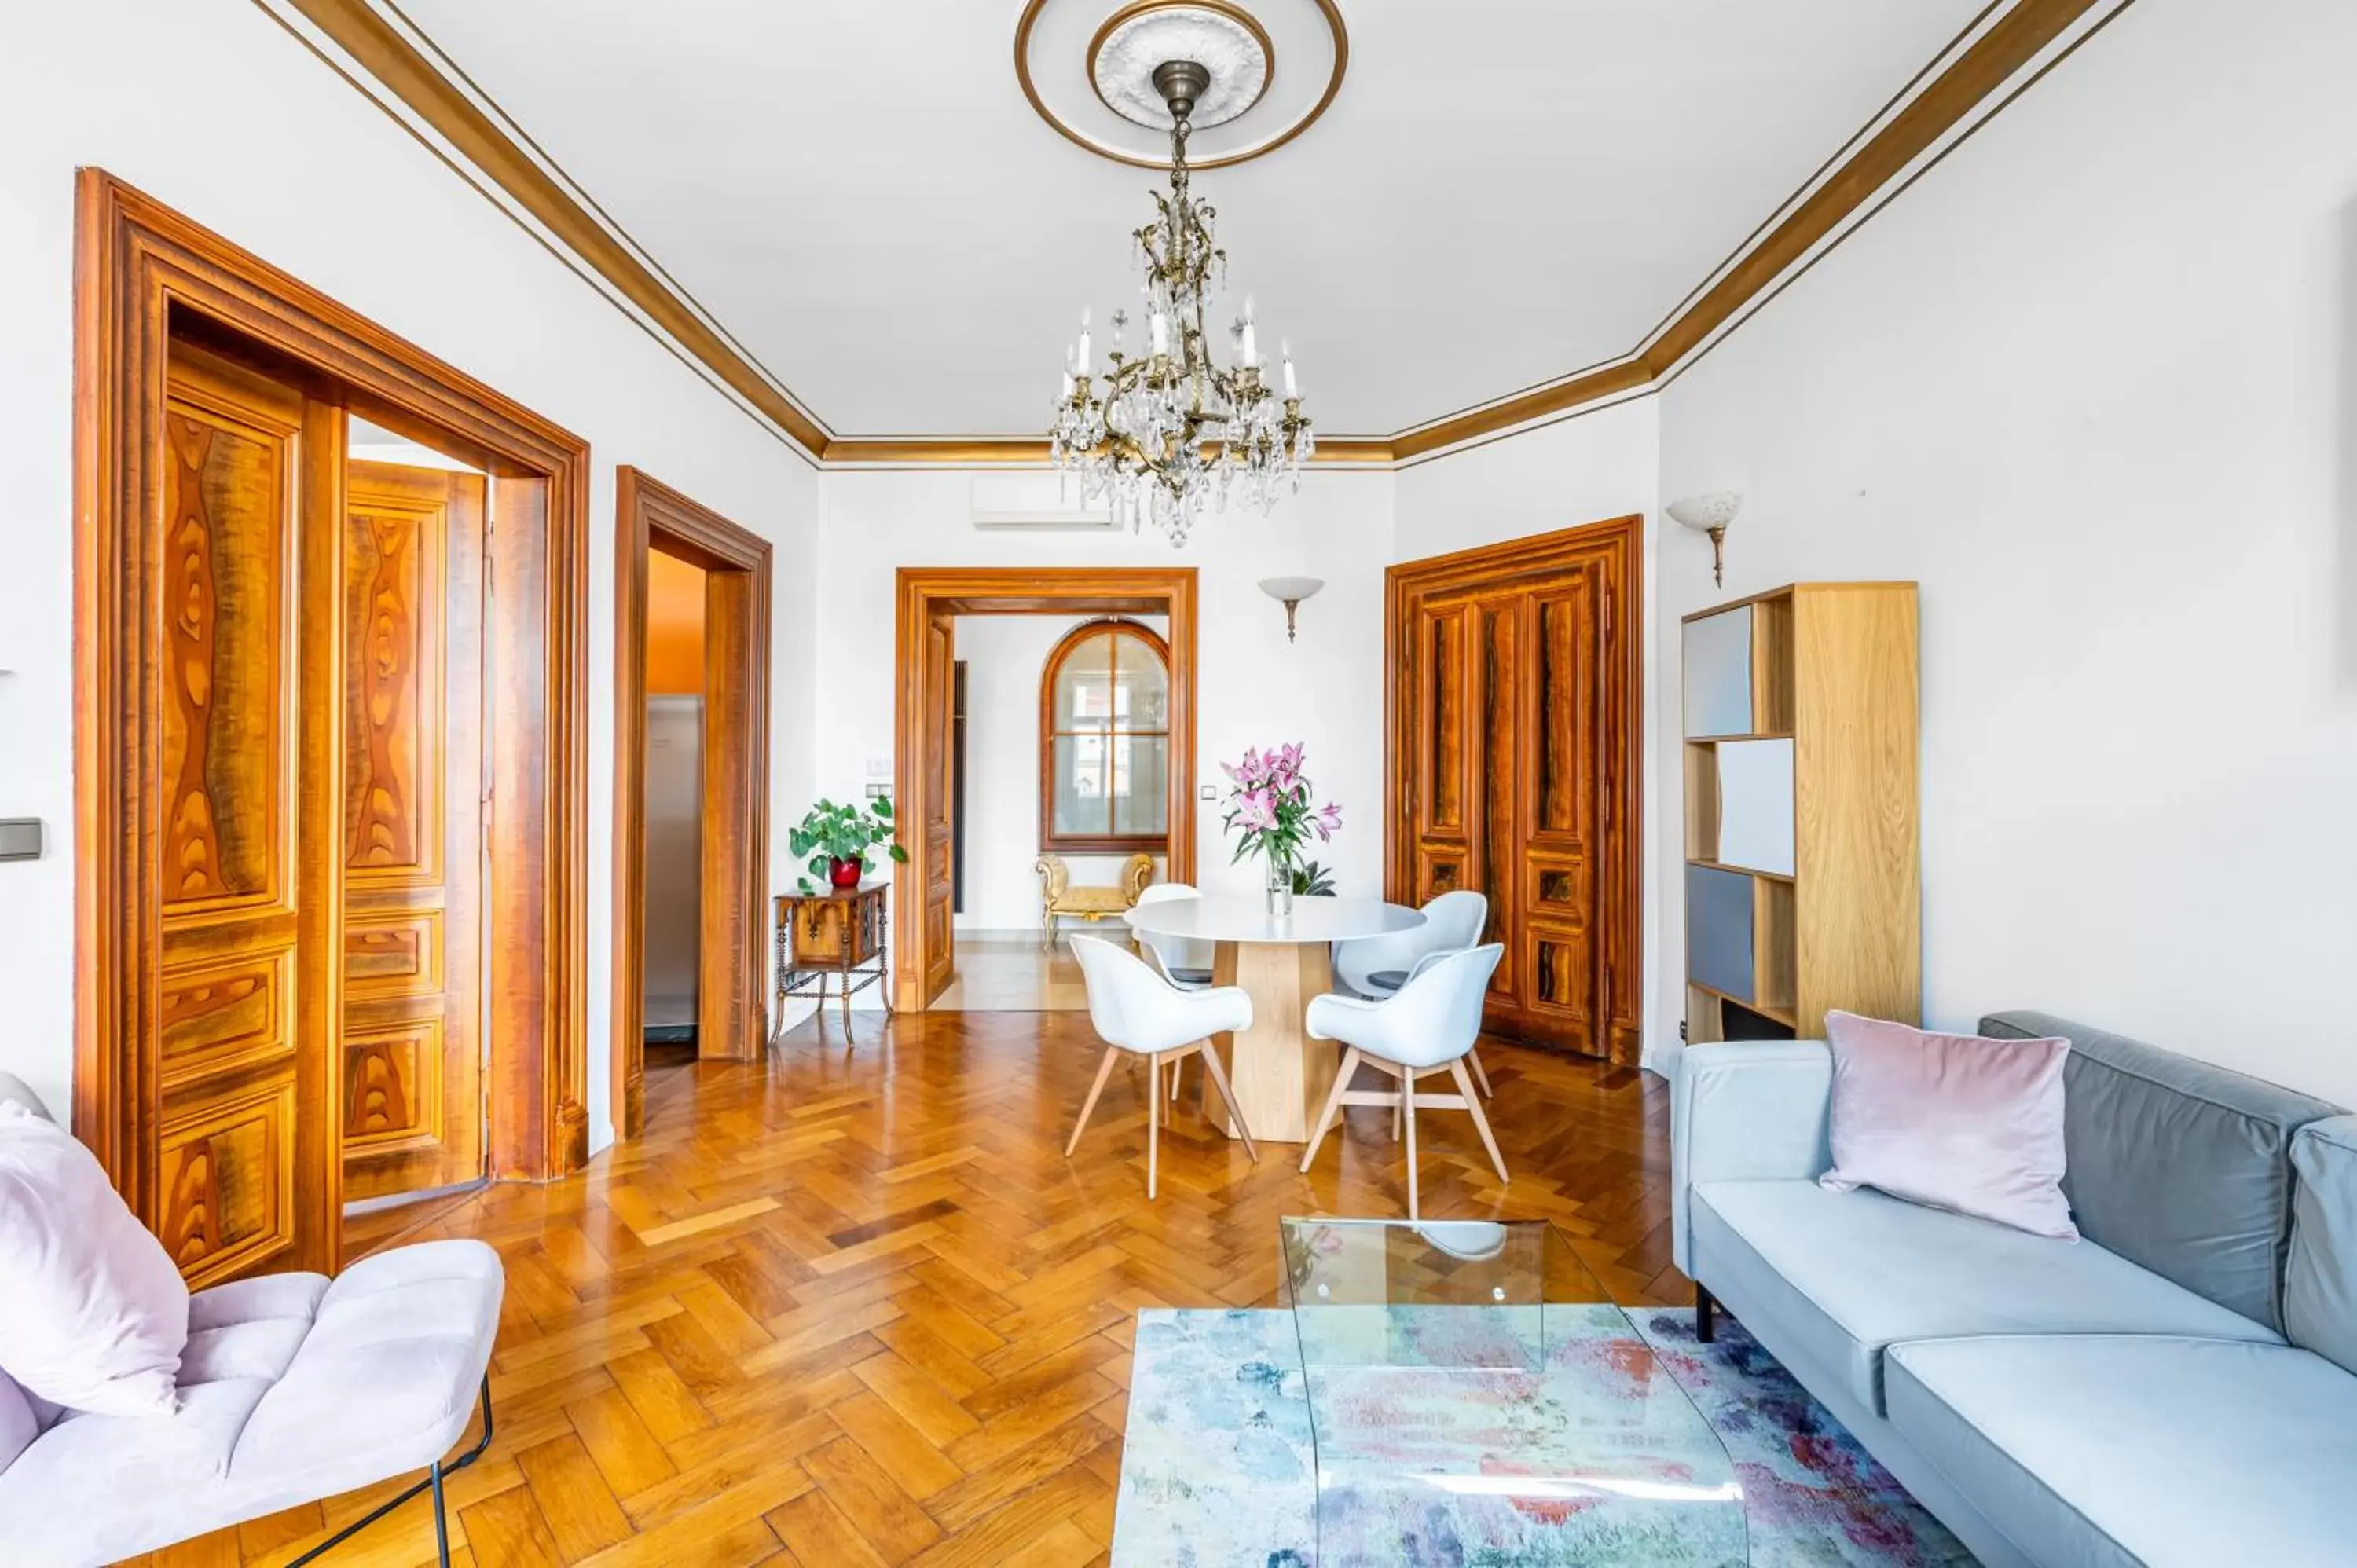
(1472, 1389)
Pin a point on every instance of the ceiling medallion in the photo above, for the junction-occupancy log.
(1086, 65)
(1173, 430)
(1220, 37)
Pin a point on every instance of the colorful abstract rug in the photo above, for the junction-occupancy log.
(1218, 1468)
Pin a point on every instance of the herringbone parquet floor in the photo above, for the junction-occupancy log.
(852, 1306)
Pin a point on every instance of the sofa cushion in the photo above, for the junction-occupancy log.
(2177, 1165)
(1849, 1273)
(1955, 1121)
(2140, 1449)
(93, 1313)
(2320, 1286)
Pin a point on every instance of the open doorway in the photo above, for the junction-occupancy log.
(690, 788)
(1122, 642)
(1063, 738)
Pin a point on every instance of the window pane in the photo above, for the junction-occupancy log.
(1141, 797)
(1141, 686)
(1084, 684)
(1081, 784)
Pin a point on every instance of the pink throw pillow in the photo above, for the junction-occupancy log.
(1951, 1121)
(94, 1315)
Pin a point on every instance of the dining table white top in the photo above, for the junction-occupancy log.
(1244, 918)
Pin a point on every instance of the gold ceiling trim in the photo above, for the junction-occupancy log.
(381, 49)
(1032, 8)
(1977, 72)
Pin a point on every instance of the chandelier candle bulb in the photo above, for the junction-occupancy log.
(1290, 389)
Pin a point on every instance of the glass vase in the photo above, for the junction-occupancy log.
(1280, 890)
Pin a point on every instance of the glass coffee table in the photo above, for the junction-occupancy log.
(1474, 1397)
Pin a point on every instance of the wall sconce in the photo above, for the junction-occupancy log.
(1710, 514)
(1291, 591)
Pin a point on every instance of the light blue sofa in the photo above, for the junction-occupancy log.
(2179, 1387)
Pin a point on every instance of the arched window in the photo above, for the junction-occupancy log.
(1105, 740)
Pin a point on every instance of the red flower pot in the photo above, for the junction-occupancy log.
(844, 873)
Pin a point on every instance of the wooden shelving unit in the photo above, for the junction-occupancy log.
(1803, 891)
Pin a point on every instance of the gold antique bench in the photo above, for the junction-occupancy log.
(1058, 897)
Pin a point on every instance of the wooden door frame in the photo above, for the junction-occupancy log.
(1622, 874)
(922, 592)
(732, 1015)
(137, 264)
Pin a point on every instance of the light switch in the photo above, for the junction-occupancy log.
(20, 838)
(1210, 791)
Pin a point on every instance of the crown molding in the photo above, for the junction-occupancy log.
(387, 54)
(1911, 132)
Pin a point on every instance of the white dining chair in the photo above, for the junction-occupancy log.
(1426, 1027)
(1376, 967)
(1136, 1010)
(1184, 962)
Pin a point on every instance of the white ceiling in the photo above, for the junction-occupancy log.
(1504, 191)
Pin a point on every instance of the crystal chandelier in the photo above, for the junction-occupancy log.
(1171, 428)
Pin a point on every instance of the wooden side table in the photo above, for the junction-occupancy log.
(839, 931)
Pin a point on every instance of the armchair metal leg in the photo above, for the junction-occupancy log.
(433, 1483)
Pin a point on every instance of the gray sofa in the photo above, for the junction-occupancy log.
(2179, 1387)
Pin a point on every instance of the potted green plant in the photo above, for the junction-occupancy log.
(838, 837)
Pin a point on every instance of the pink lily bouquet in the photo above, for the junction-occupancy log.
(1270, 813)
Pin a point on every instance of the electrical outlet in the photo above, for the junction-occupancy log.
(1682, 1031)
(20, 838)
(1210, 791)
(878, 791)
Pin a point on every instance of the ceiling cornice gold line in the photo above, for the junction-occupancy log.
(2010, 44)
(1734, 252)
(874, 451)
(1986, 65)
(379, 48)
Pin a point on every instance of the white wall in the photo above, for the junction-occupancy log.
(2094, 383)
(1252, 687)
(215, 110)
(1598, 464)
(1003, 657)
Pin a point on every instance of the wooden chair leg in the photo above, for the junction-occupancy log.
(1408, 1098)
(1333, 1106)
(1179, 1076)
(1104, 1071)
(1395, 1120)
(1479, 1077)
(1481, 1122)
(1219, 1076)
(1152, 1123)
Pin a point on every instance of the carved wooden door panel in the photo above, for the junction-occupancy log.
(248, 923)
(1512, 718)
(940, 824)
(1438, 752)
(1554, 879)
(412, 1087)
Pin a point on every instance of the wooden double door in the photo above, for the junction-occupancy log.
(319, 930)
(1515, 723)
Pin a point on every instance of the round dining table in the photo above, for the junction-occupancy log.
(1280, 1075)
